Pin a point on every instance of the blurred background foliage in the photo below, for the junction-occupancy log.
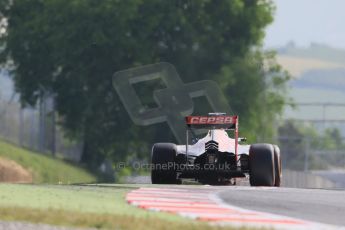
(307, 148)
(71, 48)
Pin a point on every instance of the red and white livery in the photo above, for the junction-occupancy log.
(217, 157)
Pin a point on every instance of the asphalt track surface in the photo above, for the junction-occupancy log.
(271, 208)
(317, 205)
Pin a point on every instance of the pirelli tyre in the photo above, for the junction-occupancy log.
(163, 161)
(277, 166)
(261, 165)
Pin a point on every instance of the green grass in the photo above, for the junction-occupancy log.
(85, 206)
(46, 169)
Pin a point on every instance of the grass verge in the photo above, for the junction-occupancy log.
(46, 169)
(85, 206)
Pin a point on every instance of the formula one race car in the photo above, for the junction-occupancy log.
(216, 158)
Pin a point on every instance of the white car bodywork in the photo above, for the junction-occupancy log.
(225, 144)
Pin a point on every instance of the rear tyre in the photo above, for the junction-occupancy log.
(277, 166)
(261, 165)
(163, 163)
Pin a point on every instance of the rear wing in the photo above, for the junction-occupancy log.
(212, 122)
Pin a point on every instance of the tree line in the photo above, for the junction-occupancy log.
(71, 48)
